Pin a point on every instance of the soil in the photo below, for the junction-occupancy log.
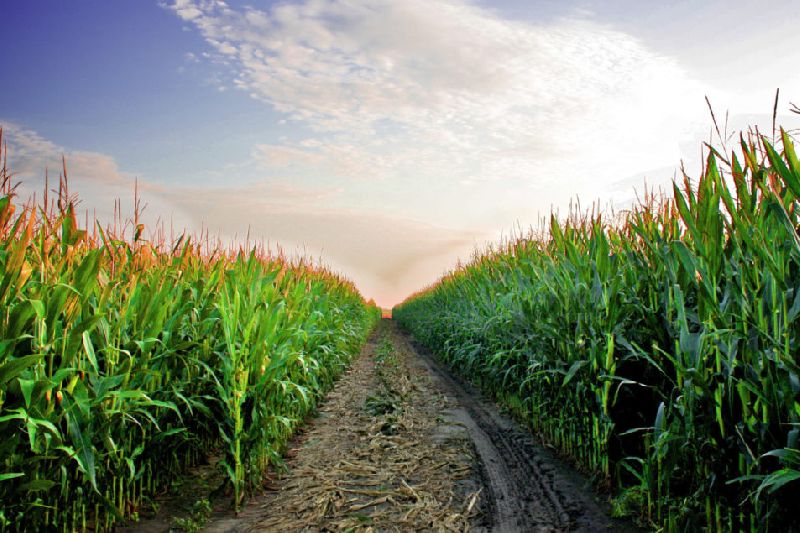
(400, 444)
(528, 487)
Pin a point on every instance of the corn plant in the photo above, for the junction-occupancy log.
(123, 361)
(658, 349)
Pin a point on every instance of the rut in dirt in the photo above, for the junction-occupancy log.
(401, 444)
(527, 488)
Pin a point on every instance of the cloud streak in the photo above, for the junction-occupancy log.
(446, 90)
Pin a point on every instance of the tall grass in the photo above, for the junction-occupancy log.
(659, 351)
(123, 362)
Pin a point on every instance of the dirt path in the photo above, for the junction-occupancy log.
(527, 487)
(379, 457)
(402, 445)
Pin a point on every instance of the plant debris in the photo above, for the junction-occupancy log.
(371, 460)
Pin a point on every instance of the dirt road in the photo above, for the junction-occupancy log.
(402, 445)
(527, 488)
(378, 457)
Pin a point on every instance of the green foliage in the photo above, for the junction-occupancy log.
(659, 351)
(122, 363)
(201, 512)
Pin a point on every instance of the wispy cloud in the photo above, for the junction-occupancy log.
(446, 90)
(32, 155)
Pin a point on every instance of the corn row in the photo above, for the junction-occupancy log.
(659, 349)
(122, 362)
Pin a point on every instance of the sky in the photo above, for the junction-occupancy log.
(389, 138)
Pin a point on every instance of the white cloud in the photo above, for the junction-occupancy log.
(446, 92)
(186, 10)
(95, 178)
(31, 154)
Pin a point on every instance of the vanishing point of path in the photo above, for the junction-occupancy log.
(401, 445)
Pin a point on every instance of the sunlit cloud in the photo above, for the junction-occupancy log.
(33, 157)
(449, 92)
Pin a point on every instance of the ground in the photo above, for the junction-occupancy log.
(401, 445)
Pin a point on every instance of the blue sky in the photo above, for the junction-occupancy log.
(390, 138)
(113, 77)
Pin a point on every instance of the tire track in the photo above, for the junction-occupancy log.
(528, 487)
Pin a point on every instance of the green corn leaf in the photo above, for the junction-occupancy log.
(26, 386)
(576, 366)
(790, 154)
(16, 414)
(88, 348)
(791, 179)
(777, 480)
(658, 426)
(37, 485)
(10, 369)
(84, 456)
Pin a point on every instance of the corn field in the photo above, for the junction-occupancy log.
(123, 362)
(658, 350)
